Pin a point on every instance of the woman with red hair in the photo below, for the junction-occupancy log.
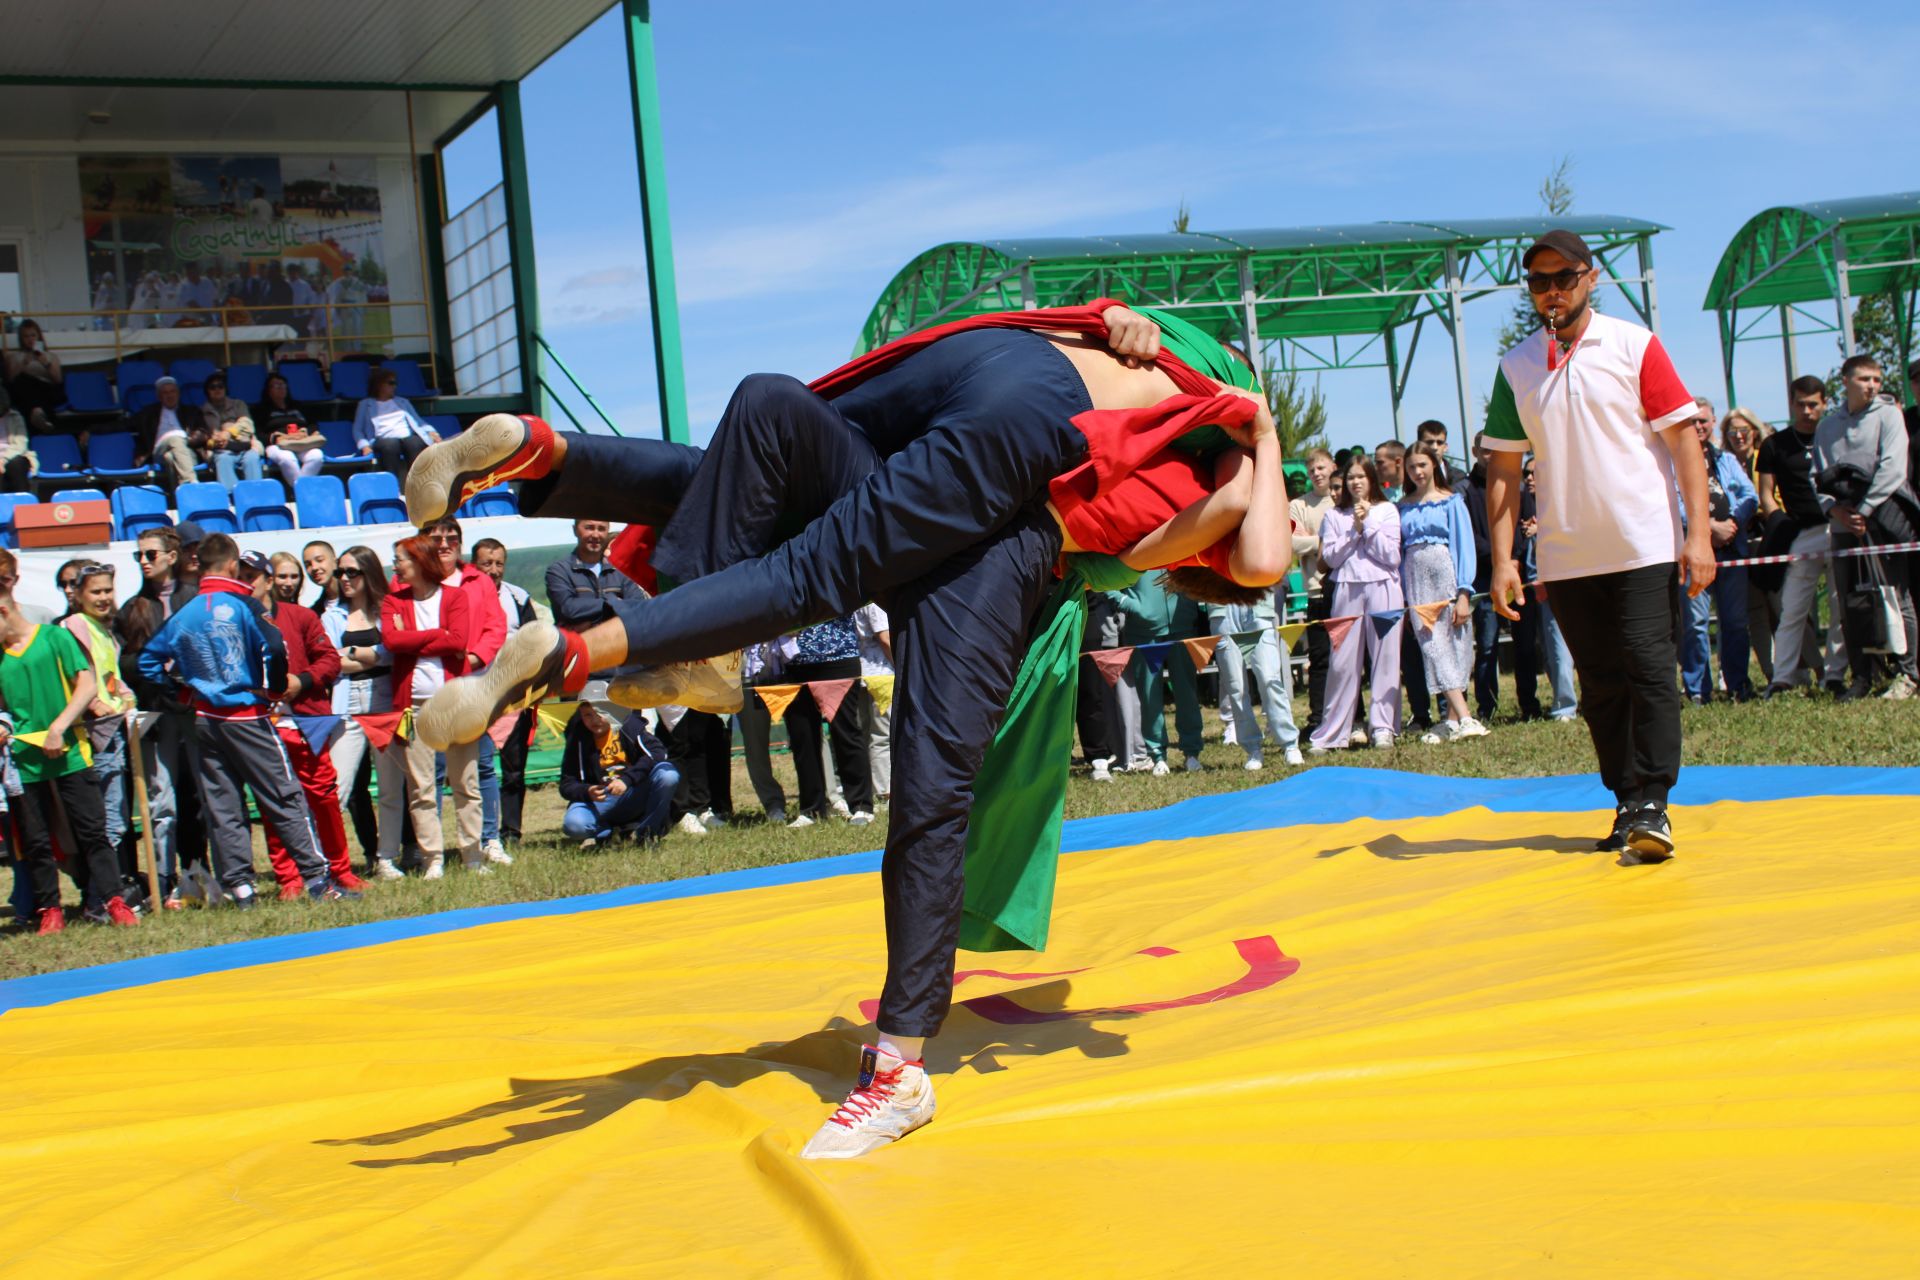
(427, 630)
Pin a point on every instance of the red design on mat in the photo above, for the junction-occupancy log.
(1266, 965)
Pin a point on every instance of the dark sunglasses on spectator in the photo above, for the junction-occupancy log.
(444, 538)
(344, 572)
(1542, 281)
(68, 584)
(146, 557)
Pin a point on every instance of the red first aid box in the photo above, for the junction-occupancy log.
(63, 524)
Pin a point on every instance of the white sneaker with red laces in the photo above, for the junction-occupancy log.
(892, 1099)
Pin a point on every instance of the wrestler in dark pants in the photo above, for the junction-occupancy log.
(924, 488)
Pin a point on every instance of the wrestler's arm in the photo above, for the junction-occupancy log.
(1202, 523)
(1263, 552)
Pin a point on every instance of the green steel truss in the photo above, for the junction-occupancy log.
(1786, 258)
(1312, 299)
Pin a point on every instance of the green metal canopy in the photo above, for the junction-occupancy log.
(1821, 252)
(1313, 298)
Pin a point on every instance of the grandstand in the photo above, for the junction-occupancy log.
(160, 215)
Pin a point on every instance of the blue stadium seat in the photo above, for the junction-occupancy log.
(445, 423)
(261, 506)
(193, 395)
(60, 460)
(350, 379)
(247, 382)
(110, 457)
(340, 453)
(138, 508)
(497, 501)
(90, 391)
(409, 381)
(376, 498)
(8, 501)
(135, 378)
(321, 501)
(190, 373)
(303, 382)
(84, 493)
(206, 505)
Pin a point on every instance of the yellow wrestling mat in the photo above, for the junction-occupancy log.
(1450, 1042)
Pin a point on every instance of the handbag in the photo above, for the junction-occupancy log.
(1873, 613)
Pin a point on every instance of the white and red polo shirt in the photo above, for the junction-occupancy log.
(1603, 483)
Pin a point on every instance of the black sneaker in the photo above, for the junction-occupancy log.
(1616, 840)
(1649, 834)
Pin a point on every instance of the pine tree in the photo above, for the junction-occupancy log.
(1299, 412)
(1556, 198)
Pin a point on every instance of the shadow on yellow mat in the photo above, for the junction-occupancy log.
(1455, 1045)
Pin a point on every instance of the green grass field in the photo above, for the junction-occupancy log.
(1789, 730)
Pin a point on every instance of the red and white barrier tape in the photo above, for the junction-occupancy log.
(1889, 548)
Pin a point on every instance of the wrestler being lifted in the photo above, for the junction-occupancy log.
(944, 474)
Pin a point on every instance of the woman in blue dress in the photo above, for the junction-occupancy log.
(1436, 569)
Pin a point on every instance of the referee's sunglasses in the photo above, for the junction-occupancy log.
(1547, 281)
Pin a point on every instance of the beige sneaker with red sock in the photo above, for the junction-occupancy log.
(891, 1100)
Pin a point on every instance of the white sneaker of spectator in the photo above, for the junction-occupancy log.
(383, 869)
(1160, 769)
(496, 853)
(839, 806)
(860, 818)
(1294, 756)
(802, 821)
(433, 866)
(1469, 728)
(1102, 770)
(1383, 739)
(1358, 738)
(1254, 764)
(1445, 731)
(691, 825)
(709, 819)
(1901, 689)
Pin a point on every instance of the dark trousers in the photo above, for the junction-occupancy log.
(513, 776)
(925, 488)
(18, 476)
(395, 455)
(1526, 654)
(361, 810)
(94, 864)
(247, 752)
(1319, 657)
(1097, 703)
(1620, 629)
(700, 748)
(1419, 700)
(846, 735)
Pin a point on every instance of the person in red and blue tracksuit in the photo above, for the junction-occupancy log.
(227, 658)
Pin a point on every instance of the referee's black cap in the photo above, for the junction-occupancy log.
(1563, 242)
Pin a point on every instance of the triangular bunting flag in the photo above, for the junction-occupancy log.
(881, 689)
(1200, 649)
(1430, 613)
(1337, 629)
(1291, 633)
(1248, 641)
(1385, 620)
(145, 720)
(670, 717)
(404, 731)
(778, 698)
(1154, 655)
(1111, 663)
(380, 728)
(319, 731)
(554, 715)
(828, 695)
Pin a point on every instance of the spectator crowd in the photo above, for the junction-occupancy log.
(225, 673)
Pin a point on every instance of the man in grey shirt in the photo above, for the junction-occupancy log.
(1867, 434)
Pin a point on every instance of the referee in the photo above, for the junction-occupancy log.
(1597, 402)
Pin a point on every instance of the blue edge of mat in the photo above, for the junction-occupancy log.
(1325, 795)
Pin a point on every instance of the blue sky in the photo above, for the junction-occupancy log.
(812, 150)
